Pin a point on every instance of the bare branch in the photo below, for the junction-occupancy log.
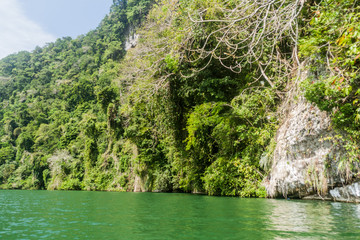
(247, 32)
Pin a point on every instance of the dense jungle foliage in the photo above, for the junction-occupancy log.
(194, 107)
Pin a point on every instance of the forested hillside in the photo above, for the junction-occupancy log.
(56, 102)
(193, 107)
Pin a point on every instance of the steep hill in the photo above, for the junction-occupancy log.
(222, 97)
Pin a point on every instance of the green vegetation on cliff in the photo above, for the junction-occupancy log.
(58, 117)
(193, 107)
(331, 45)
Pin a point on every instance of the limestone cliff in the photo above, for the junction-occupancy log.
(307, 155)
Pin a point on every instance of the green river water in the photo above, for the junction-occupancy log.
(112, 215)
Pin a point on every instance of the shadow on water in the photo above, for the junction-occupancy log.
(106, 215)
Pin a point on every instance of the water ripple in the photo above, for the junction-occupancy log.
(105, 215)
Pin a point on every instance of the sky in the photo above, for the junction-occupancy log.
(25, 24)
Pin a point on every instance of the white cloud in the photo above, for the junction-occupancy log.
(17, 32)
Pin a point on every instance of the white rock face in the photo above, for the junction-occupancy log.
(349, 193)
(304, 160)
(131, 41)
(307, 154)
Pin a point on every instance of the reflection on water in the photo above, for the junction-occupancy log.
(307, 219)
(300, 217)
(104, 215)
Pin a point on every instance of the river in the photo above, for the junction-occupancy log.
(113, 215)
